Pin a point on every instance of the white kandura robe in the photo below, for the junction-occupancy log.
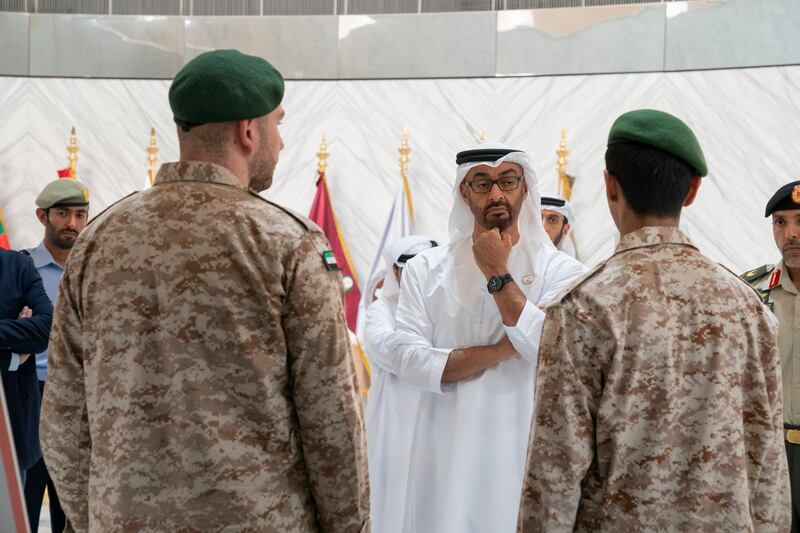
(468, 439)
(389, 405)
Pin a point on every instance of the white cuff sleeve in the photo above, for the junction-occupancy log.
(438, 362)
(526, 334)
(417, 364)
(14, 362)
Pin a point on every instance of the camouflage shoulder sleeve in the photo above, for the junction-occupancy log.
(324, 389)
(588, 276)
(108, 208)
(568, 390)
(64, 426)
(757, 279)
(307, 224)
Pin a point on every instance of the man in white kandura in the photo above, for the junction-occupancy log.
(557, 218)
(468, 328)
(389, 403)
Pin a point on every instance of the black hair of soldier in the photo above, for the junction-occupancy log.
(654, 182)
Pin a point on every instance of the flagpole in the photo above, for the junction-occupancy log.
(152, 156)
(322, 156)
(404, 152)
(322, 167)
(72, 149)
(564, 186)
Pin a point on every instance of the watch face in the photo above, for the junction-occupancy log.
(495, 284)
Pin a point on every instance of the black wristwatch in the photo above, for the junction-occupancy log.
(497, 282)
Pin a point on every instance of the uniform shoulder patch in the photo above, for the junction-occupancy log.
(752, 275)
(300, 219)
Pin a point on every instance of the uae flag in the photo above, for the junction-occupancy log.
(322, 213)
(3, 234)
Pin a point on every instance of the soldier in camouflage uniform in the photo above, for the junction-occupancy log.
(658, 402)
(777, 286)
(200, 376)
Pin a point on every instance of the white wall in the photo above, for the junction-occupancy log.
(746, 119)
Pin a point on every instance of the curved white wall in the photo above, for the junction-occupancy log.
(746, 120)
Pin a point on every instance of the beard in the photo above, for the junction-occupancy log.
(63, 239)
(791, 254)
(263, 165)
(261, 171)
(496, 219)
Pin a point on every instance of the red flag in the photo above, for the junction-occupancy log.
(322, 213)
(3, 235)
(65, 173)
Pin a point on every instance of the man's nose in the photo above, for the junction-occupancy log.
(495, 193)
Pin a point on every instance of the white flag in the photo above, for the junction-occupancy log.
(399, 224)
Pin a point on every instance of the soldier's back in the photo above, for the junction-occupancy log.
(186, 363)
(686, 384)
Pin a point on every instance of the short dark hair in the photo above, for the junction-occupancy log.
(653, 181)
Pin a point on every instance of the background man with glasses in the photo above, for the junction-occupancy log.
(468, 326)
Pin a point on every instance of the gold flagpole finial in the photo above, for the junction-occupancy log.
(152, 156)
(482, 138)
(73, 150)
(322, 156)
(404, 152)
(564, 185)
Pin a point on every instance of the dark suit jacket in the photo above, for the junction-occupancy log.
(20, 285)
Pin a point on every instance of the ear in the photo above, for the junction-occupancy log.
(612, 187)
(565, 229)
(463, 189)
(692, 194)
(245, 131)
(41, 214)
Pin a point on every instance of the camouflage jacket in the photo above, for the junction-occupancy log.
(658, 400)
(200, 374)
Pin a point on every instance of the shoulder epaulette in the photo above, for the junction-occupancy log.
(303, 221)
(756, 273)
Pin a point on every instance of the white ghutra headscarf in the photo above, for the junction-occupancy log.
(561, 206)
(462, 222)
(396, 254)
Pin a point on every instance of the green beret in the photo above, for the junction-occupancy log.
(660, 130)
(63, 192)
(223, 86)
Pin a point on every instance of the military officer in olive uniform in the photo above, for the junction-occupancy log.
(777, 285)
(200, 377)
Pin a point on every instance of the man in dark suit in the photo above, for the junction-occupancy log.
(20, 287)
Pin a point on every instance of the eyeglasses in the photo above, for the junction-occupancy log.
(483, 186)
